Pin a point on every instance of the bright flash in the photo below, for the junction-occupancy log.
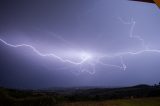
(85, 56)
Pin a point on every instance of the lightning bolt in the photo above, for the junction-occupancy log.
(88, 59)
(121, 55)
(84, 59)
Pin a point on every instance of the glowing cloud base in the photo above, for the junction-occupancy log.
(90, 59)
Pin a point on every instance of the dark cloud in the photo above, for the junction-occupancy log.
(61, 26)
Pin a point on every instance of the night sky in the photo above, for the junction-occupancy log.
(91, 39)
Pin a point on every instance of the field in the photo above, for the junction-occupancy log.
(122, 102)
(141, 95)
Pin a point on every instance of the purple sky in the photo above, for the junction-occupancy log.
(100, 31)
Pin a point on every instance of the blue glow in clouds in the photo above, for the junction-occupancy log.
(90, 59)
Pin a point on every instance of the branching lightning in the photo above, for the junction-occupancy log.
(122, 54)
(89, 59)
(84, 57)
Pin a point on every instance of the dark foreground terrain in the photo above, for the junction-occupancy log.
(141, 95)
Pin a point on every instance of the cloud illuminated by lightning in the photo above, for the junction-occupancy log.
(88, 59)
(84, 56)
(121, 55)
